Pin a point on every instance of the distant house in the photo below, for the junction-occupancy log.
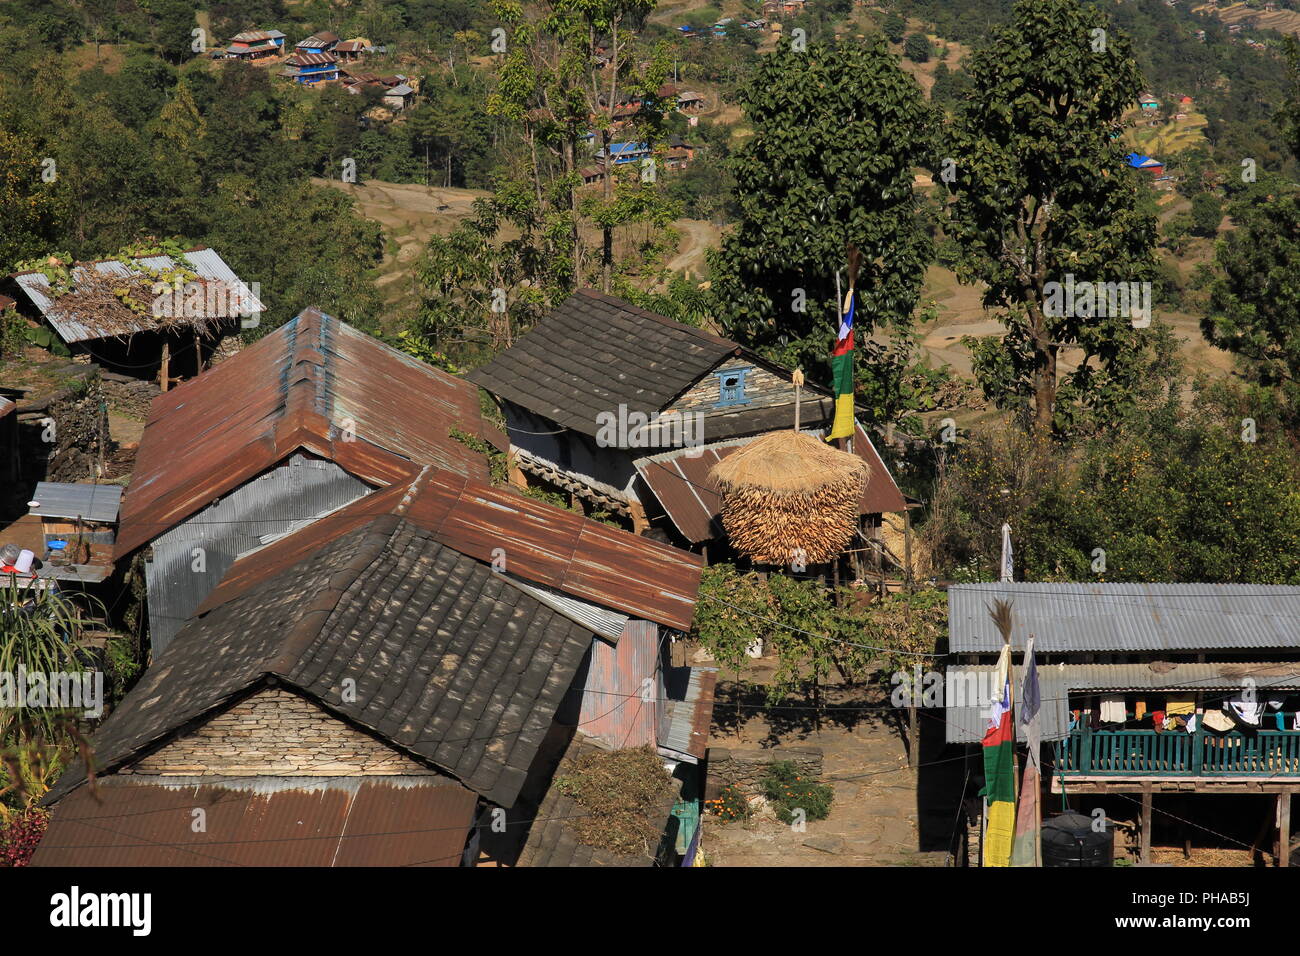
(1148, 102)
(350, 49)
(1146, 164)
(311, 68)
(399, 97)
(1200, 36)
(679, 154)
(591, 175)
(626, 153)
(690, 102)
(318, 43)
(587, 361)
(256, 44)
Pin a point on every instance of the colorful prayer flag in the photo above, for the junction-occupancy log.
(1024, 851)
(999, 769)
(1008, 555)
(842, 374)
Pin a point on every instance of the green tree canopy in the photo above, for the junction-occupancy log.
(1041, 192)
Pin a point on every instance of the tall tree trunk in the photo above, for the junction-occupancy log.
(606, 230)
(570, 166)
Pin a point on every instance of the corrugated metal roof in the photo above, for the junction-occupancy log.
(684, 726)
(1126, 617)
(69, 500)
(311, 59)
(204, 261)
(6, 406)
(315, 384)
(608, 624)
(967, 688)
(277, 821)
(540, 543)
(401, 89)
(681, 480)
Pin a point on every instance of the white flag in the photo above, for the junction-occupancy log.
(1008, 565)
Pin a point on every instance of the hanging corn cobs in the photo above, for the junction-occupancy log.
(789, 497)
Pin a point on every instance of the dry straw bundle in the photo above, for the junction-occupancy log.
(788, 495)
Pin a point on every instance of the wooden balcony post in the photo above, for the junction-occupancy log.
(1198, 746)
(1146, 824)
(1085, 749)
(1284, 827)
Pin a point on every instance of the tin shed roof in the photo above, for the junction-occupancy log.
(67, 500)
(1126, 617)
(315, 384)
(452, 663)
(261, 821)
(73, 327)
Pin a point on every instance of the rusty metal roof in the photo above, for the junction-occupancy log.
(539, 543)
(689, 495)
(315, 384)
(311, 59)
(261, 821)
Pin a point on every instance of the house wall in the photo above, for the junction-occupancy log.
(277, 733)
(613, 705)
(283, 498)
(763, 388)
(608, 470)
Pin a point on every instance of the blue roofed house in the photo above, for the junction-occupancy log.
(626, 152)
(1147, 164)
(322, 42)
(311, 68)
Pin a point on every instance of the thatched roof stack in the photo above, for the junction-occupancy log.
(789, 497)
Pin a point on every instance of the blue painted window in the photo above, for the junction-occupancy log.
(731, 387)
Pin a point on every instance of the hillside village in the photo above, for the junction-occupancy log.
(682, 435)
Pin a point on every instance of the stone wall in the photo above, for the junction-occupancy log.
(277, 733)
(746, 768)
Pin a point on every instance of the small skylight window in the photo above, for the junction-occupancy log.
(731, 387)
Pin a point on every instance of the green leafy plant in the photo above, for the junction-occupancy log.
(788, 790)
(731, 804)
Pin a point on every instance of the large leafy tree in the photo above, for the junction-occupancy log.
(1041, 191)
(838, 131)
(1255, 296)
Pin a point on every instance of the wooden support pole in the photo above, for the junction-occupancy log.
(1284, 828)
(640, 524)
(166, 360)
(517, 477)
(1145, 856)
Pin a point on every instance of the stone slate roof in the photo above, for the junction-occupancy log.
(553, 842)
(596, 352)
(451, 662)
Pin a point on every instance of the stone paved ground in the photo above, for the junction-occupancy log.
(874, 820)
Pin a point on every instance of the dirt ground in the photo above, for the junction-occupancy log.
(883, 813)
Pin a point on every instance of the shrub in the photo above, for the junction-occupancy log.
(19, 833)
(788, 790)
(730, 805)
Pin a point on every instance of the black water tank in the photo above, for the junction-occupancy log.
(1069, 840)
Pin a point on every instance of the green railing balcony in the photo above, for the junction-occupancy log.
(1176, 753)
